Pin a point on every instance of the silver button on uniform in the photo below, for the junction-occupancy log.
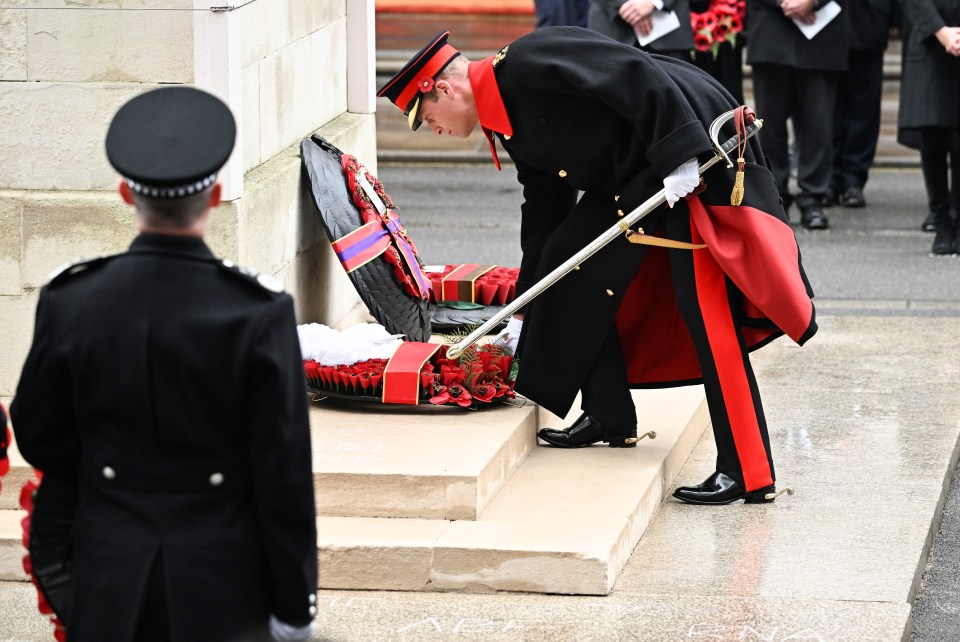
(109, 473)
(216, 479)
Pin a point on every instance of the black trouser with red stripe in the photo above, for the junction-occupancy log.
(708, 302)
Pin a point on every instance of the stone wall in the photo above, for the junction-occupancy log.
(63, 74)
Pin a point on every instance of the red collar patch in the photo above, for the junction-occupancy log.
(490, 109)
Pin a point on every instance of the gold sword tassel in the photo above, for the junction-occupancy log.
(739, 119)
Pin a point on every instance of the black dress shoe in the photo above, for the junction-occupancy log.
(830, 197)
(853, 197)
(944, 242)
(585, 431)
(721, 489)
(813, 218)
(930, 223)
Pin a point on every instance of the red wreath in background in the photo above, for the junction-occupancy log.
(720, 23)
(368, 214)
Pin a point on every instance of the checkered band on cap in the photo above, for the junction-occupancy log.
(177, 191)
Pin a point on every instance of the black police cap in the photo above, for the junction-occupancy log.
(171, 142)
(416, 78)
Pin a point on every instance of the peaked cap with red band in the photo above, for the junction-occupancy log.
(404, 89)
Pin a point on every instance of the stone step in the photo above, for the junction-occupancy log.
(427, 462)
(566, 522)
(11, 544)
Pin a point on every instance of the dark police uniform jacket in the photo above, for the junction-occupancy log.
(587, 113)
(168, 387)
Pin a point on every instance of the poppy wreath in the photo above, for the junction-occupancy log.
(720, 23)
(497, 286)
(4, 443)
(27, 495)
(481, 375)
(402, 271)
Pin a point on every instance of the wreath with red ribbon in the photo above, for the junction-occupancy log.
(403, 269)
(720, 23)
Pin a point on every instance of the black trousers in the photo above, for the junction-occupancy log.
(943, 192)
(856, 119)
(806, 97)
(708, 302)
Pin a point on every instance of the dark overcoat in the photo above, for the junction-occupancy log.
(168, 387)
(607, 119)
(930, 79)
(604, 17)
(775, 38)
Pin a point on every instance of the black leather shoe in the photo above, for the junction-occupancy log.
(721, 489)
(853, 197)
(830, 197)
(585, 431)
(930, 223)
(943, 242)
(813, 218)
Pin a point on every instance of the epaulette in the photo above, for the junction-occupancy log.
(77, 266)
(265, 281)
(500, 56)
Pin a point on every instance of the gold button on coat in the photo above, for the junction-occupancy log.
(506, 136)
(609, 292)
(563, 173)
(619, 212)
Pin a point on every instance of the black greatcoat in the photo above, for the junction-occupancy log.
(930, 86)
(595, 115)
(168, 387)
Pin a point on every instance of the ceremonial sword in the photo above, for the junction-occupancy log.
(622, 226)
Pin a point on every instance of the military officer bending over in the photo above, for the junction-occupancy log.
(164, 392)
(578, 112)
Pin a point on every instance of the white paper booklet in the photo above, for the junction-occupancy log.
(824, 15)
(663, 23)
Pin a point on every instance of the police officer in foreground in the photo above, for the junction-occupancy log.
(165, 387)
(579, 112)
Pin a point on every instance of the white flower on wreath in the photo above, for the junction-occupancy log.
(360, 342)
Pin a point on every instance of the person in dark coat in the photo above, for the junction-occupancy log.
(623, 19)
(577, 111)
(795, 78)
(856, 116)
(929, 115)
(165, 388)
(559, 13)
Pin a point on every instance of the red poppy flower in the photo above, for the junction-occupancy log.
(701, 42)
(442, 396)
(484, 392)
(460, 395)
(425, 84)
(27, 494)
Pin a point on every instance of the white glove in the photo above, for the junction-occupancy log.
(510, 335)
(681, 181)
(283, 632)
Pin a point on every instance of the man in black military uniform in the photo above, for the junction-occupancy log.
(577, 111)
(165, 386)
